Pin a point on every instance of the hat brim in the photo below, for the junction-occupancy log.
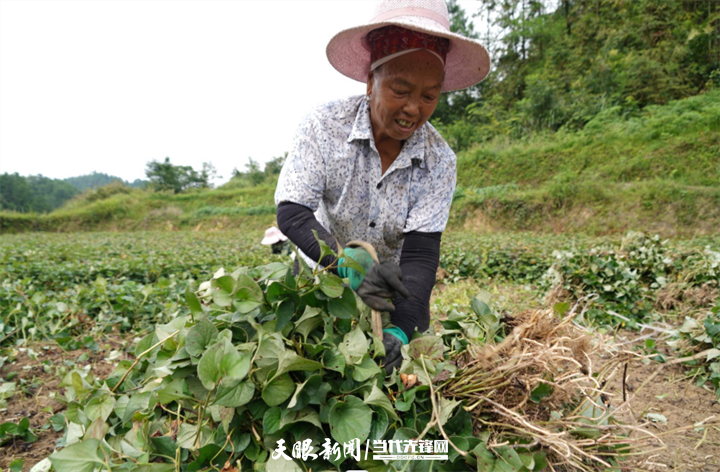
(467, 62)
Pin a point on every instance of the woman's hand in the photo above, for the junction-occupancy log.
(393, 358)
(382, 282)
(377, 284)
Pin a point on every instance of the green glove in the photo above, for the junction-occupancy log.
(398, 333)
(362, 257)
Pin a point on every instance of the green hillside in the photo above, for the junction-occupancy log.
(656, 171)
(126, 209)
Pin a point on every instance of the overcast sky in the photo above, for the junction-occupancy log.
(108, 85)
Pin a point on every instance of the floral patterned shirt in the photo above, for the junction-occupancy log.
(334, 169)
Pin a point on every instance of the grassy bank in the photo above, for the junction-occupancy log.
(658, 171)
(134, 209)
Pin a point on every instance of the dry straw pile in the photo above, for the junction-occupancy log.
(544, 386)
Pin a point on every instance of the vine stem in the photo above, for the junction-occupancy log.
(436, 412)
(203, 407)
(140, 356)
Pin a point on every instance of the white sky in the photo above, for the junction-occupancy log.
(108, 85)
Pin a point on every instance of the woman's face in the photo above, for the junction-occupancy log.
(403, 94)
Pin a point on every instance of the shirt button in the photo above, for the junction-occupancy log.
(372, 224)
(379, 185)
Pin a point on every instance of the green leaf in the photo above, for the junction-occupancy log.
(306, 415)
(350, 419)
(200, 336)
(289, 361)
(354, 346)
(378, 398)
(57, 421)
(139, 402)
(234, 365)
(561, 308)
(351, 263)
(345, 306)
(447, 406)
(100, 407)
(281, 465)
(172, 391)
(153, 468)
(403, 434)
(305, 391)
(365, 369)
(462, 444)
(222, 290)
(284, 313)
(22, 426)
(235, 396)
(272, 271)
(271, 420)
(208, 368)
(379, 425)
(248, 290)
(486, 460)
(378, 347)
(278, 390)
(325, 250)
(308, 322)
(145, 343)
(543, 390)
(96, 430)
(80, 457)
(508, 459)
(480, 307)
(405, 401)
(430, 347)
(16, 465)
(193, 301)
(540, 461)
(331, 285)
(164, 445)
(333, 359)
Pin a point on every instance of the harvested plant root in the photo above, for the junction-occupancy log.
(542, 385)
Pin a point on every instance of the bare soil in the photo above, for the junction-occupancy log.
(673, 395)
(36, 378)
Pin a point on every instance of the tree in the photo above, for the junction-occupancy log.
(33, 193)
(167, 176)
(94, 180)
(274, 165)
(207, 175)
(452, 105)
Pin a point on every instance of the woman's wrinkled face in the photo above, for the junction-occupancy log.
(403, 94)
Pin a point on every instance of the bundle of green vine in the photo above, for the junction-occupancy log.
(274, 371)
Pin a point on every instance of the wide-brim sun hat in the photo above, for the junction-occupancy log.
(272, 236)
(467, 62)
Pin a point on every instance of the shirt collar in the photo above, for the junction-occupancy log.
(414, 147)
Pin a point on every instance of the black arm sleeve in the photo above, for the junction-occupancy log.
(419, 261)
(297, 222)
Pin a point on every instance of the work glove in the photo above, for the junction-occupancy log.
(393, 340)
(380, 281)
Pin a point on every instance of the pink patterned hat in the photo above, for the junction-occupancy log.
(467, 61)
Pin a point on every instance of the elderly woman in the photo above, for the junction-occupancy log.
(372, 168)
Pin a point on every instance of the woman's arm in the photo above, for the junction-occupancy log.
(419, 261)
(297, 222)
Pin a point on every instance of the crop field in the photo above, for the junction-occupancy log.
(188, 351)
